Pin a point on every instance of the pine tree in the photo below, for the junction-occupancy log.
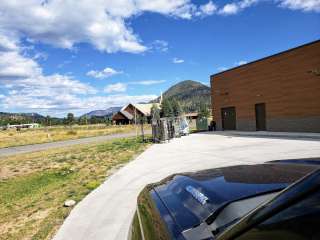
(70, 118)
(155, 112)
(176, 107)
(203, 111)
(166, 108)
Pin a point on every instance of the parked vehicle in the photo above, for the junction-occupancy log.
(275, 200)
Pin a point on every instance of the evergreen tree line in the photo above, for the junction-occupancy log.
(53, 121)
(172, 108)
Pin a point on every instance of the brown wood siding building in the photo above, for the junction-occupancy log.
(277, 93)
(133, 111)
(119, 118)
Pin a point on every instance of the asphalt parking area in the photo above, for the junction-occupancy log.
(106, 213)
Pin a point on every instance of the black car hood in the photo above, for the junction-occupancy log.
(180, 193)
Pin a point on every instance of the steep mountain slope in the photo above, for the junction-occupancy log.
(102, 113)
(35, 116)
(190, 94)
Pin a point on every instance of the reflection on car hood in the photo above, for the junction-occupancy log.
(192, 197)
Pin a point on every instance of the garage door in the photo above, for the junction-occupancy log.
(228, 116)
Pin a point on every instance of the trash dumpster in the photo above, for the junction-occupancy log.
(202, 124)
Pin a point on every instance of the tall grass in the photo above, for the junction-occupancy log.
(10, 138)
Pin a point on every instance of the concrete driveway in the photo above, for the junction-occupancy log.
(106, 213)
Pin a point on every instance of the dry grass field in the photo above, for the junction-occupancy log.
(35, 186)
(10, 138)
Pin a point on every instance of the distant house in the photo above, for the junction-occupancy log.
(26, 125)
(132, 112)
(120, 118)
(191, 116)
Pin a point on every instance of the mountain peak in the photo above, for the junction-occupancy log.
(102, 113)
(190, 94)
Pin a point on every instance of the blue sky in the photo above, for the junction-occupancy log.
(78, 56)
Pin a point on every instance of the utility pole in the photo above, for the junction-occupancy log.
(135, 121)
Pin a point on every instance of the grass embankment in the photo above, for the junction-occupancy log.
(34, 187)
(10, 138)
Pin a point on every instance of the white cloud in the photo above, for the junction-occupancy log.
(24, 85)
(8, 43)
(117, 87)
(304, 5)
(40, 56)
(247, 3)
(207, 9)
(105, 73)
(230, 8)
(54, 92)
(66, 23)
(57, 94)
(47, 88)
(160, 45)
(242, 62)
(239, 63)
(148, 82)
(177, 8)
(105, 24)
(235, 7)
(102, 24)
(15, 65)
(221, 69)
(177, 60)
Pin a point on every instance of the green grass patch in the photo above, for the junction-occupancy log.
(14, 189)
(36, 185)
(92, 185)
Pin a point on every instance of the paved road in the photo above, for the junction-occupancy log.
(106, 213)
(44, 146)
